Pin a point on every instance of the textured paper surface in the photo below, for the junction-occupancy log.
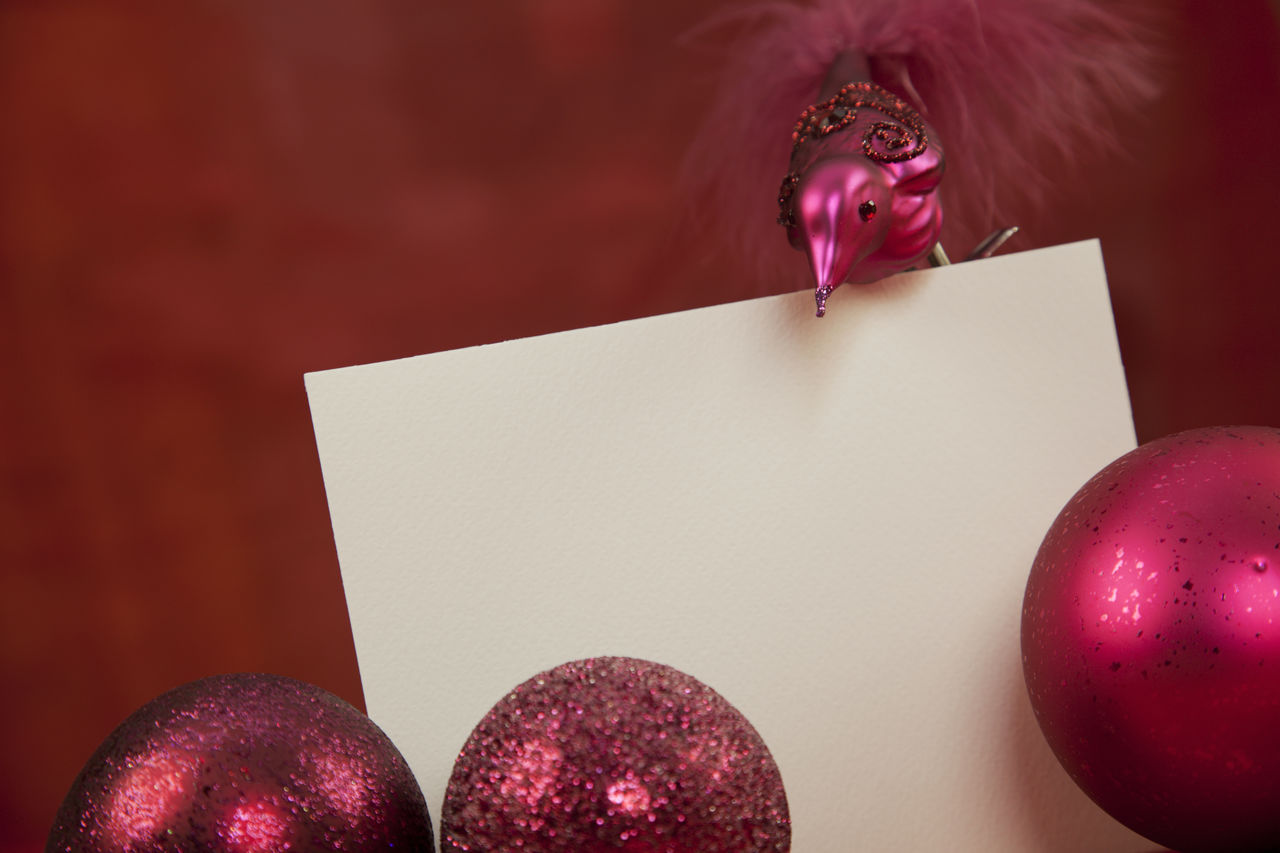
(828, 521)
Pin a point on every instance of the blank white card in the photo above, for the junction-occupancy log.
(830, 522)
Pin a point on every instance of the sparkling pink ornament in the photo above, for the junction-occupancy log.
(1151, 639)
(244, 764)
(615, 754)
(860, 198)
(1010, 85)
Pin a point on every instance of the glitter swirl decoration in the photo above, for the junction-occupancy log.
(615, 754)
(901, 137)
(891, 132)
(1151, 639)
(244, 764)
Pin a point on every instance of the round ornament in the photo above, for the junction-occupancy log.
(244, 764)
(615, 754)
(1151, 639)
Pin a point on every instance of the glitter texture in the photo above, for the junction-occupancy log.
(901, 137)
(244, 764)
(1151, 639)
(615, 754)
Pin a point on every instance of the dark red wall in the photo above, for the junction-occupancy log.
(201, 201)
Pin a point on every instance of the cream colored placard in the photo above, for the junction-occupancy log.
(828, 521)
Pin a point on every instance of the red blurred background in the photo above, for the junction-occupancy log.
(199, 202)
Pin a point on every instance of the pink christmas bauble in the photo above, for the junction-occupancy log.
(244, 764)
(615, 754)
(1151, 639)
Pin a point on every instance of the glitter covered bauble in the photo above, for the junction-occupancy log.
(244, 764)
(1151, 639)
(615, 754)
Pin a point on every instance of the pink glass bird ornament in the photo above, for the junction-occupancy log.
(1013, 88)
(860, 198)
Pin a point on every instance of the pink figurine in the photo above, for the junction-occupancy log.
(860, 198)
(1015, 88)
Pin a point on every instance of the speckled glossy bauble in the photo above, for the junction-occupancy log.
(615, 754)
(244, 764)
(1151, 639)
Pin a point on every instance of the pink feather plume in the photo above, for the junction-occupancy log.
(1012, 87)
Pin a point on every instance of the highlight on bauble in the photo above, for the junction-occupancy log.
(244, 764)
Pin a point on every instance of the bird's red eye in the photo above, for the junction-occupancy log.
(867, 210)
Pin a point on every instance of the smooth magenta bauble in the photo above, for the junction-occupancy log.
(244, 764)
(1151, 639)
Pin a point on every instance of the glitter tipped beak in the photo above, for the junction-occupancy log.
(820, 295)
